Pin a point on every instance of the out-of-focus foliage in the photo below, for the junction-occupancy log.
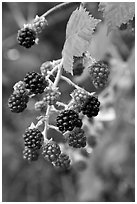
(107, 174)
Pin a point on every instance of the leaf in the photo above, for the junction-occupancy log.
(116, 13)
(79, 33)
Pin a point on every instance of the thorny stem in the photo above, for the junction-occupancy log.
(59, 7)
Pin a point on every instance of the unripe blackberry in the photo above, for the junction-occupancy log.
(51, 151)
(79, 96)
(77, 138)
(99, 73)
(91, 107)
(26, 37)
(33, 138)
(30, 154)
(35, 82)
(51, 96)
(78, 66)
(67, 120)
(18, 102)
(63, 162)
(46, 66)
(20, 88)
(39, 23)
(41, 106)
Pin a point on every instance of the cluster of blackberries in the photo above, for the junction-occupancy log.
(33, 140)
(35, 83)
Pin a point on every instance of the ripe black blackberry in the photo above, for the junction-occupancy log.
(35, 82)
(77, 138)
(18, 102)
(67, 120)
(30, 154)
(51, 151)
(33, 138)
(63, 162)
(26, 37)
(99, 73)
(91, 107)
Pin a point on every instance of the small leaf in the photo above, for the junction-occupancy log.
(79, 33)
(116, 13)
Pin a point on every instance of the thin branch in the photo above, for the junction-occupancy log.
(70, 82)
(58, 8)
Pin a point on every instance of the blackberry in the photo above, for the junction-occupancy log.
(77, 138)
(51, 96)
(39, 23)
(78, 66)
(91, 107)
(33, 138)
(99, 72)
(35, 82)
(19, 87)
(18, 102)
(67, 120)
(41, 106)
(30, 154)
(46, 66)
(79, 96)
(63, 162)
(26, 37)
(51, 151)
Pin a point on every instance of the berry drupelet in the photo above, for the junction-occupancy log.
(99, 73)
(77, 138)
(33, 138)
(51, 151)
(63, 162)
(35, 82)
(30, 154)
(18, 102)
(91, 107)
(26, 37)
(67, 120)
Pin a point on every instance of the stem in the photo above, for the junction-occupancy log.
(46, 123)
(58, 8)
(58, 74)
(70, 82)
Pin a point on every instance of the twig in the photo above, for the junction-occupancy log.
(70, 82)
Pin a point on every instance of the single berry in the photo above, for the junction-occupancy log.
(77, 138)
(67, 120)
(26, 37)
(91, 107)
(51, 151)
(46, 66)
(35, 82)
(63, 162)
(39, 23)
(30, 154)
(79, 96)
(33, 138)
(99, 73)
(51, 96)
(41, 106)
(20, 88)
(18, 102)
(78, 66)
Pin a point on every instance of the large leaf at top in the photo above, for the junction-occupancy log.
(116, 13)
(79, 33)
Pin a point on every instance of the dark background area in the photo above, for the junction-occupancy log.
(39, 181)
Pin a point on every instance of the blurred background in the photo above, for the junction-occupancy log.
(106, 174)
